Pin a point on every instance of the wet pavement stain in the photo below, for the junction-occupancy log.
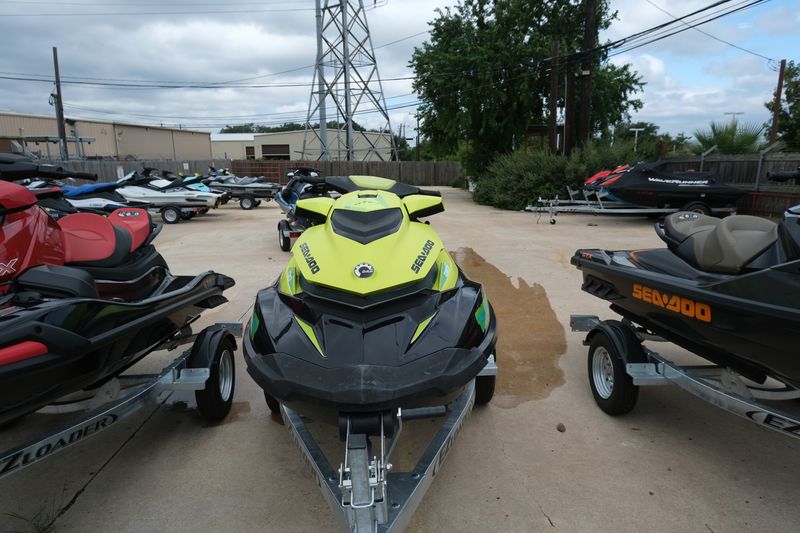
(530, 337)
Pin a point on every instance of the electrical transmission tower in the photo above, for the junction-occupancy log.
(346, 83)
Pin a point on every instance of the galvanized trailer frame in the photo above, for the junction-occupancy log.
(365, 495)
(601, 206)
(717, 385)
(129, 393)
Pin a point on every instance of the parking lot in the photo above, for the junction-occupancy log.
(541, 456)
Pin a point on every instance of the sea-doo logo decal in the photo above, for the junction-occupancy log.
(8, 268)
(364, 270)
(41, 450)
(312, 263)
(774, 421)
(423, 256)
(676, 304)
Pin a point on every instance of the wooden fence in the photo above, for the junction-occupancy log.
(750, 173)
(108, 170)
(413, 172)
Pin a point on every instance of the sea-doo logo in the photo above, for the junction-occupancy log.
(364, 270)
(312, 263)
(423, 256)
(8, 268)
(676, 304)
(41, 450)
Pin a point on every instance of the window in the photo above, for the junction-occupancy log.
(275, 151)
(249, 152)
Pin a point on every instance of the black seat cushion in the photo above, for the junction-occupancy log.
(366, 226)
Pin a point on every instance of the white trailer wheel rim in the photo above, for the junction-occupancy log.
(170, 215)
(225, 375)
(603, 372)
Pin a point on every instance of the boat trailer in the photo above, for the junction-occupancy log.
(717, 385)
(123, 396)
(365, 494)
(597, 203)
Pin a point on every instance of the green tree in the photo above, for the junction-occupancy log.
(730, 138)
(789, 115)
(483, 76)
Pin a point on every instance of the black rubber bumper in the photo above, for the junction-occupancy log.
(368, 387)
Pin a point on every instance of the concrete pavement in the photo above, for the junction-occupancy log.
(674, 464)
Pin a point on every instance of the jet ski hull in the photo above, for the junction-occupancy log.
(749, 322)
(88, 340)
(368, 364)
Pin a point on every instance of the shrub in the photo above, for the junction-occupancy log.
(516, 180)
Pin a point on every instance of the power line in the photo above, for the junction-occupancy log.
(743, 49)
(192, 12)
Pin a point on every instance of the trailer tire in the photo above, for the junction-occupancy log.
(697, 207)
(214, 349)
(273, 404)
(484, 389)
(612, 387)
(171, 215)
(284, 241)
(247, 203)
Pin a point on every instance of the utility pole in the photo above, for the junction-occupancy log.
(776, 105)
(587, 64)
(59, 103)
(553, 110)
(417, 137)
(569, 109)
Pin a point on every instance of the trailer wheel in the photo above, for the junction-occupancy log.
(247, 203)
(273, 404)
(484, 389)
(284, 241)
(612, 387)
(697, 207)
(214, 350)
(171, 215)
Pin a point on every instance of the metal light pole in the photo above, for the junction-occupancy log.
(636, 137)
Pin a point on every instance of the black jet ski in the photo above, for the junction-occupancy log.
(727, 290)
(371, 313)
(249, 190)
(649, 184)
(83, 298)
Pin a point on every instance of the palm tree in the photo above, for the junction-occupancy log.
(730, 138)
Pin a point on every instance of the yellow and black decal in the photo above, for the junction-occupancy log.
(671, 302)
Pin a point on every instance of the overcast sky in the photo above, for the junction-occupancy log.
(691, 78)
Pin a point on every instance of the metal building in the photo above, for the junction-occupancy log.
(288, 145)
(95, 139)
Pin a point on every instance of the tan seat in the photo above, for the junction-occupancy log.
(730, 244)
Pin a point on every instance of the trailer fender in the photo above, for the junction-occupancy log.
(624, 339)
(209, 339)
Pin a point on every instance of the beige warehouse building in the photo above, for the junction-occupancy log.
(112, 140)
(288, 145)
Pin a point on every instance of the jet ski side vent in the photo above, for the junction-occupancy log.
(600, 289)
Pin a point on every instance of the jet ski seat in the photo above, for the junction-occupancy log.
(95, 241)
(724, 246)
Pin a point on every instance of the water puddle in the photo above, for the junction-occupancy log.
(531, 339)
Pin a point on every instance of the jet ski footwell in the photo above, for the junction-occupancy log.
(625, 364)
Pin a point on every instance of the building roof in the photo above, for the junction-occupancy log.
(232, 136)
(97, 121)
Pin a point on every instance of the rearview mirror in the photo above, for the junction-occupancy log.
(419, 205)
(314, 209)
